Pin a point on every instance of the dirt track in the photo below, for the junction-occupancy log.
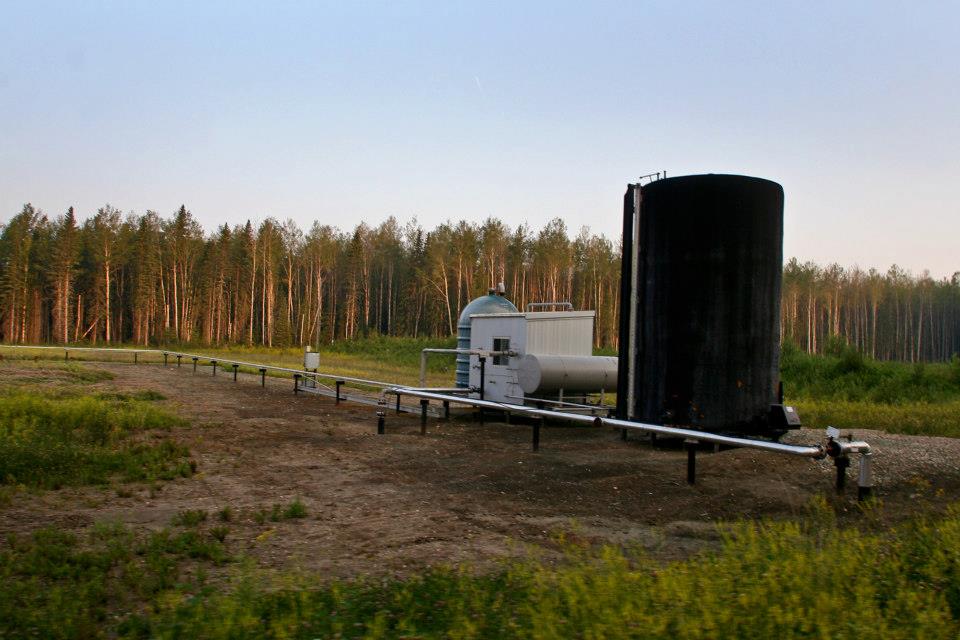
(464, 492)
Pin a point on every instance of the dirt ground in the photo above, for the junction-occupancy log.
(465, 492)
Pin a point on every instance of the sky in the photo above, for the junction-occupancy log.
(345, 112)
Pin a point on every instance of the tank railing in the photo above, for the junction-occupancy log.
(692, 438)
(537, 305)
(473, 352)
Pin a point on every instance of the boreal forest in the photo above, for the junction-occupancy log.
(149, 279)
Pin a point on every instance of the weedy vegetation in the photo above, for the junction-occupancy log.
(766, 579)
(846, 389)
(49, 442)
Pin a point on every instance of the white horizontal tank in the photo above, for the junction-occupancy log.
(539, 374)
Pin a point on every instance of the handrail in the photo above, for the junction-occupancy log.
(567, 305)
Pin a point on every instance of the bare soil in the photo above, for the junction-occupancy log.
(464, 492)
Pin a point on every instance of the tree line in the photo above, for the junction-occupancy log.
(888, 316)
(146, 279)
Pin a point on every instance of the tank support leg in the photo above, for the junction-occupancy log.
(691, 446)
(423, 416)
(483, 372)
(381, 418)
(178, 361)
(214, 363)
(164, 359)
(195, 364)
(263, 377)
(296, 383)
(865, 481)
(841, 462)
(398, 404)
(235, 367)
(446, 409)
(338, 384)
(623, 434)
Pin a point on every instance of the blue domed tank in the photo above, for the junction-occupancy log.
(490, 303)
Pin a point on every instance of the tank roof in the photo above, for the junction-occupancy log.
(490, 303)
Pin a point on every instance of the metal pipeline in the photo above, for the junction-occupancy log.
(808, 451)
(838, 449)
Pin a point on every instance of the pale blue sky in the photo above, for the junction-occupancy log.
(342, 112)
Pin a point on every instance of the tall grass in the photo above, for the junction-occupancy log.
(848, 390)
(51, 442)
(846, 374)
(911, 418)
(766, 580)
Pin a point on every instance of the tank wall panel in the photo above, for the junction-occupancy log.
(710, 257)
(564, 333)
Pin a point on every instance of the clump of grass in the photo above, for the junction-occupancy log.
(279, 512)
(49, 443)
(219, 533)
(225, 514)
(189, 518)
(295, 509)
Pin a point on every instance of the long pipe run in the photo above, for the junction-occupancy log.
(834, 448)
(808, 451)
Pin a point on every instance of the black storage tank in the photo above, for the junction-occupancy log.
(701, 348)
